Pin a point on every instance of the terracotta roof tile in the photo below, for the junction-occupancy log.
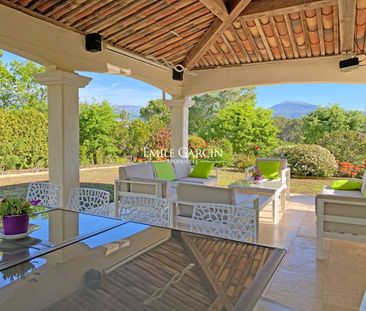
(171, 28)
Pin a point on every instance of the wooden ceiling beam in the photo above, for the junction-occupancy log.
(347, 15)
(213, 32)
(266, 8)
(217, 7)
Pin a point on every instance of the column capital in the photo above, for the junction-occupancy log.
(58, 76)
(185, 102)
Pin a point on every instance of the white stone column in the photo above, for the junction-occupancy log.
(179, 126)
(63, 127)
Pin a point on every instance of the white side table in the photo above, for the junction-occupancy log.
(268, 191)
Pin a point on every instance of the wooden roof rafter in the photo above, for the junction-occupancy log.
(213, 32)
(217, 7)
(347, 15)
(266, 8)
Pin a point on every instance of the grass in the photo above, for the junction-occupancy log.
(98, 178)
(103, 178)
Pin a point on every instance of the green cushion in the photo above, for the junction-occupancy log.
(164, 171)
(347, 184)
(202, 169)
(269, 169)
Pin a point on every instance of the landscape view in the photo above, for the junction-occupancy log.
(320, 142)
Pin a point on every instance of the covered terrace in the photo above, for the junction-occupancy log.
(217, 44)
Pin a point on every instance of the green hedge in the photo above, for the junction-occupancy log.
(23, 137)
(308, 160)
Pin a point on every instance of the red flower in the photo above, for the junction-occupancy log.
(257, 148)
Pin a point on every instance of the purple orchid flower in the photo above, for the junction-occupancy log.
(35, 202)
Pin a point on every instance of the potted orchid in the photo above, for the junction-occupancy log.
(15, 215)
(257, 176)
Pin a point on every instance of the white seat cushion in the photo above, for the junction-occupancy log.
(210, 181)
(349, 193)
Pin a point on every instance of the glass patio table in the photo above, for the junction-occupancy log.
(132, 266)
(57, 227)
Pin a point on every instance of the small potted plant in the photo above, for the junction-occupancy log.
(257, 176)
(15, 215)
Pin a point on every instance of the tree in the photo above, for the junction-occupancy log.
(23, 137)
(122, 131)
(18, 87)
(98, 126)
(156, 108)
(346, 146)
(207, 105)
(330, 119)
(244, 125)
(290, 130)
(137, 139)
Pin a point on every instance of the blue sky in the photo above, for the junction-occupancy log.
(121, 90)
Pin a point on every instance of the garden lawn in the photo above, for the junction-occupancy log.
(99, 178)
(103, 178)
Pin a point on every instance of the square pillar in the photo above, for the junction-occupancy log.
(179, 126)
(63, 128)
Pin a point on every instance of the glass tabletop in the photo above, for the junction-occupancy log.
(142, 267)
(56, 228)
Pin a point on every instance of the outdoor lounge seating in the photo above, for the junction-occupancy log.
(47, 194)
(341, 214)
(284, 171)
(142, 178)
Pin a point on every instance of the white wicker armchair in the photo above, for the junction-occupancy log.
(47, 194)
(225, 221)
(145, 209)
(87, 200)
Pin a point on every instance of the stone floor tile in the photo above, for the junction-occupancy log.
(295, 301)
(331, 307)
(343, 299)
(294, 283)
(306, 242)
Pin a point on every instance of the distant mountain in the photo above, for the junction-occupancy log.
(133, 110)
(292, 109)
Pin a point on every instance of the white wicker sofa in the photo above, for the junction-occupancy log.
(341, 214)
(142, 179)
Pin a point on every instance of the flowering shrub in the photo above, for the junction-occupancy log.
(196, 142)
(346, 169)
(308, 160)
(244, 160)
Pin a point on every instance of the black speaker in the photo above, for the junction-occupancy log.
(177, 75)
(93, 42)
